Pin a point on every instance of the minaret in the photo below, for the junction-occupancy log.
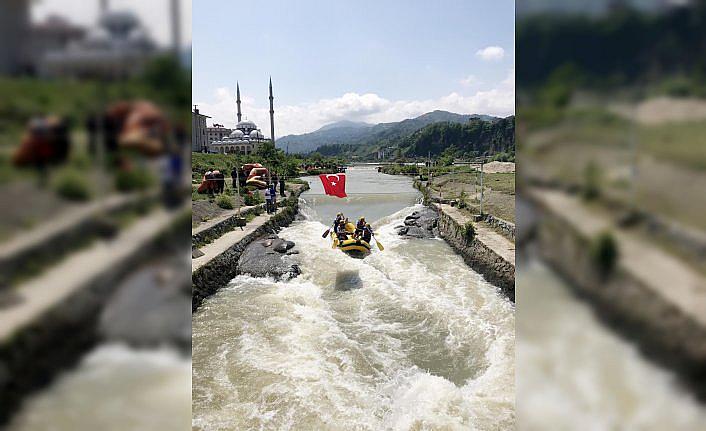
(237, 100)
(176, 26)
(104, 7)
(272, 115)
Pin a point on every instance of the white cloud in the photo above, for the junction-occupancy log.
(491, 53)
(368, 107)
(469, 81)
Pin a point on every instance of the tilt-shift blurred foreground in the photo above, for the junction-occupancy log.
(611, 291)
(95, 324)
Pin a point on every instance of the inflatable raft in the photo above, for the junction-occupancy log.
(352, 247)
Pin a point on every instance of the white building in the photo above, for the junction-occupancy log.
(199, 140)
(245, 139)
(118, 47)
(217, 132)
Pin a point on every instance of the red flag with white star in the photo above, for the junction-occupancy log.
(334, 184)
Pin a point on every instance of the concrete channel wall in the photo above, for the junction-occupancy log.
(207, 235)
(662, 330)
(506, 228)
(478, 256)
(218, 272)
(32, 355)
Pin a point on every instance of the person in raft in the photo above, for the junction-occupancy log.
(341, 231)
(337, 221)
(359, 228)
(367, 233)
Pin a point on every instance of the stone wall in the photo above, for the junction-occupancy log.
(55, 341)
(479, 257)
(217, 273)
(506, 228)
(219, 229)
(53, 244)
(662, 331)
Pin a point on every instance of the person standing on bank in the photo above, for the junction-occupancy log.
(268, 200)
(273, 197)
(281, 186)
(234, 177)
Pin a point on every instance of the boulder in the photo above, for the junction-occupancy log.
(269, 257)
(420, 224)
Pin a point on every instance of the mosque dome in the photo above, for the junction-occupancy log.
(246, 125)
(236, 134)
(256, 134)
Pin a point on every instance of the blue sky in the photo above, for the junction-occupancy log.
(358, 60)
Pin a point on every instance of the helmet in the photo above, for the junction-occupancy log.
(362, 218)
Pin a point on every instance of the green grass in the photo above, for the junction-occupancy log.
(500, 182)
(682, 143)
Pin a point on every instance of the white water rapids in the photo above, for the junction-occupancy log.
(406, 339)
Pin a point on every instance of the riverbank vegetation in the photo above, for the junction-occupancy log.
(290, 166)
(477, 137)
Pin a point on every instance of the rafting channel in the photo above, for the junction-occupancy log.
(407, 338)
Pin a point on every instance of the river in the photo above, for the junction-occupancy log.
(574, 373)
(138, 376)
(408, 338)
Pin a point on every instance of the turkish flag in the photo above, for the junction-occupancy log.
(334, 184)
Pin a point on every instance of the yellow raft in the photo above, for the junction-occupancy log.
(352, 247)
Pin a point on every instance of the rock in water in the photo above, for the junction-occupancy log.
(269, 257)
(420, 224)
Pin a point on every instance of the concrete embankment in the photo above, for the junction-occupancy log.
(49, 321)
(219, 262)
(649, 296)
(483, 249)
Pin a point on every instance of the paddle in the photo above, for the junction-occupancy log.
(326, 233)
(377, 242)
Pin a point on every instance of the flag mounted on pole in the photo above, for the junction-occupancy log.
(334, 184)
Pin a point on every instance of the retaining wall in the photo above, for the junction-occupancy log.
(663, 331)
(31, 357)
(482, 259)
(506, 228)
(218, 272)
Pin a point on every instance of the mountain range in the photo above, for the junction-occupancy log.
(359, 133)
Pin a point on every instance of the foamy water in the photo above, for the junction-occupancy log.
(115, 387)
(575, 374)
(408, 338)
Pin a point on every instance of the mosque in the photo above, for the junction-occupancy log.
(246, 138)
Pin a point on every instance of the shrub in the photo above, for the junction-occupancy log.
(134, 179)
(253, 199)
(73, 185)
(591, 183)
(604, 253)
(468, 231)
(225, 202)
(463, 200)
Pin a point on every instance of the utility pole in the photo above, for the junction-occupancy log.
(176, 26)
(633, 159)
(428, 168)
(482, 161)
